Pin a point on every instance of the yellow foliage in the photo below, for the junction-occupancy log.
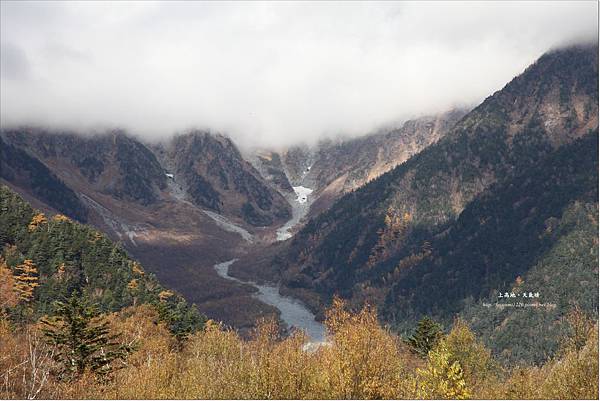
(25, 363)
(133, 285)
(26, 281)
(8, 294)
(137, 269)
(164, 295)
(96, 237)
(360, 359)
(36, 221)
(363, 360)
(442, 378)
(474, 358)
(60, 271)
(60, 218)
(573, 376)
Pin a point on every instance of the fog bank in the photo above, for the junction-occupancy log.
(269, 74)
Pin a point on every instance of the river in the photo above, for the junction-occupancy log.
(293, 312)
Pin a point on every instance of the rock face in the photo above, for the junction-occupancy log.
(271, 167)
(27, 172)
(210, 169)
(113, 164)
(363, 159)
(388, 234)
(334, 167)
(217, 177)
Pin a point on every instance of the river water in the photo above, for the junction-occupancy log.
(293, 312)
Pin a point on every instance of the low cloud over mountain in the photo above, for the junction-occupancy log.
(266, 73)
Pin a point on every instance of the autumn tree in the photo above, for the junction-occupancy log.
(82, 339)
(394, 228)
(26, 280)
(60, 218)
(137, 269)
(36, 221)
(363, 359)
(442, 378)
(579, 326)
(8, 294)
(475, 359)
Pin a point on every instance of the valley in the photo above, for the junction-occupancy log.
(299, 200)
(291, 311)
(246, 234)
(181, 206)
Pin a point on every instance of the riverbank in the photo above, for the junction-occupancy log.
(292, 312)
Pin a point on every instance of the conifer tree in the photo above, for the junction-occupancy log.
(82, 340)
(426, 336)
(26, 280)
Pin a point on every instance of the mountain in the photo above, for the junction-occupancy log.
(372, 245)
(215, 176)
(113, 164)
(332, 168)
(50, 257)
(341, 166)
(533, 233)
(137, 194)
(35, 178)
(270, 165)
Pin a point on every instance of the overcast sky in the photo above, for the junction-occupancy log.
(267, 73)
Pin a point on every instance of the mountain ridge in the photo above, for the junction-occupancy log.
(393, 219)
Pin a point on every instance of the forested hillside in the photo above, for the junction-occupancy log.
(501, 196)
(48, 258)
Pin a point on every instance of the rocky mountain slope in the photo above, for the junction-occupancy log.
(28, 173)
(215, 176)
(114, 164)
(122, 186)
(375, 240)
(334, 167)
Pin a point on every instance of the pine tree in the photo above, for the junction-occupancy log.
(426, 336)
(82, 340)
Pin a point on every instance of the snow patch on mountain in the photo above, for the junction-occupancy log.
(302, 194)
(300, 208)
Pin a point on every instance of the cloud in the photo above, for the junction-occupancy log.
(13, 63)
(268, 74)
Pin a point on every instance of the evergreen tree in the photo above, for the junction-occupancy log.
(426, 336)
(82, 340)
(26, 280)
(179, 317)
